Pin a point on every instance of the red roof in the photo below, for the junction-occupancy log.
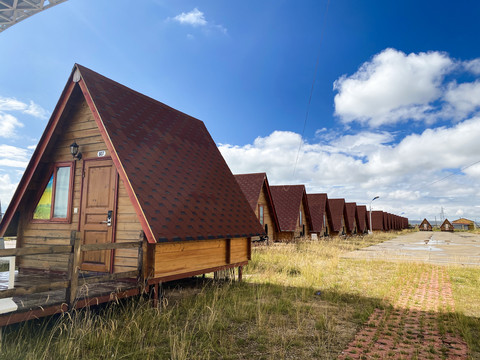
(350, 211)
(377, 220)
(175, 176)
(251, 185)
(336, 207)
(318, 207)
(287, 200)
(362, 216)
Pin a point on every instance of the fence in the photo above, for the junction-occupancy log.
(74, 250)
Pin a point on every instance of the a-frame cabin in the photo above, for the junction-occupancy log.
(293, 213)
(336, 208)
(447, 226)
(362, 219)
(351, 218)
(146, 171)
(425, 226)
(318, 204)
(377, 220)
(257, 191)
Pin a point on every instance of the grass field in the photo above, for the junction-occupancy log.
(298, 301)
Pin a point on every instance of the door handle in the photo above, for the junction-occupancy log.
(109, 219)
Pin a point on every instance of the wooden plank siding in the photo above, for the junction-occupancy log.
(80, 126)
(267, 214)
(187, 257)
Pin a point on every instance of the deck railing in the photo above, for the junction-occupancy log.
(74, 250)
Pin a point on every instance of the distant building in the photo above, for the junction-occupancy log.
(425, 226)
(447, 226)
(463, 224)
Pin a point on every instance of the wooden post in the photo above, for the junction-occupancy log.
(74, 267)
(240, 273)
(140, 264)
(155, 295)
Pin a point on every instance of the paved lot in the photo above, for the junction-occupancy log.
(459, 248)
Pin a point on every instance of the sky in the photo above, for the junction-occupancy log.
(353, 98)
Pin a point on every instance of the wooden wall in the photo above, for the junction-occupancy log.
(77, 124)
(268, 214)
(194, 256)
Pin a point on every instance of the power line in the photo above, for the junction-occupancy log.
(450, 175)
(311, 89)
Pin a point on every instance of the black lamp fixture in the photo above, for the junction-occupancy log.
(74, 151)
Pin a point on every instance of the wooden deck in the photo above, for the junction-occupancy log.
(50, 302)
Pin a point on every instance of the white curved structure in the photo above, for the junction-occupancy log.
(14, 11)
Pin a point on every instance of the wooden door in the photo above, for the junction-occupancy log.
(98, 202)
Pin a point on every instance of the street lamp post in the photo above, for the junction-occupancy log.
(371, 225)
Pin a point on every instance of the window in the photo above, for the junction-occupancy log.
(300, 218)
(260, 214)
(54, 203)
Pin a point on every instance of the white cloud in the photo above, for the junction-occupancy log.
(11, 156)
(464, 98)
(392, 87)
(472, 66)
(12, 104)
(8, 125)
(7, 188)
(194, 18)
(36, 111)
(401, 173)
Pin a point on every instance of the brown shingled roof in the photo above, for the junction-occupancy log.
(251, 185)
(350, 215)
(362, 218)
(336, 207)
(175, 176)
(287, 200)
(318, 207)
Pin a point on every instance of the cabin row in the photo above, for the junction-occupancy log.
(287, 212)
(459, 224)
(115, 168)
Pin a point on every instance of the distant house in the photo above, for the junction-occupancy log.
(425, 226)
(351, 218)
(377, 221)
(336, 209)
(292, 209)
(318, 204)
(447, 226)
(362, 219)
(463, 224)
(257, 191)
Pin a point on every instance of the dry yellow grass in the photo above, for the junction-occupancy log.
(298, 301)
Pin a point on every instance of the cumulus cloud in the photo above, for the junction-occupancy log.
(7, 188)
(472, 66)
(402, 173)
(392, 87)
(196, 18)
(463, 98)
(10, 123)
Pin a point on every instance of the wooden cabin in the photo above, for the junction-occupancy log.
(318, 204)
(116, 166)
(256, 189)
(293, 212)
(336, 209)
(362, 219)
(425, 226)
(350, 211)
(447, 226)
(377, 221)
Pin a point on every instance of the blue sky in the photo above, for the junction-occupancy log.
(394, 108)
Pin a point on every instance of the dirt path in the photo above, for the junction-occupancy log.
(415, 328)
